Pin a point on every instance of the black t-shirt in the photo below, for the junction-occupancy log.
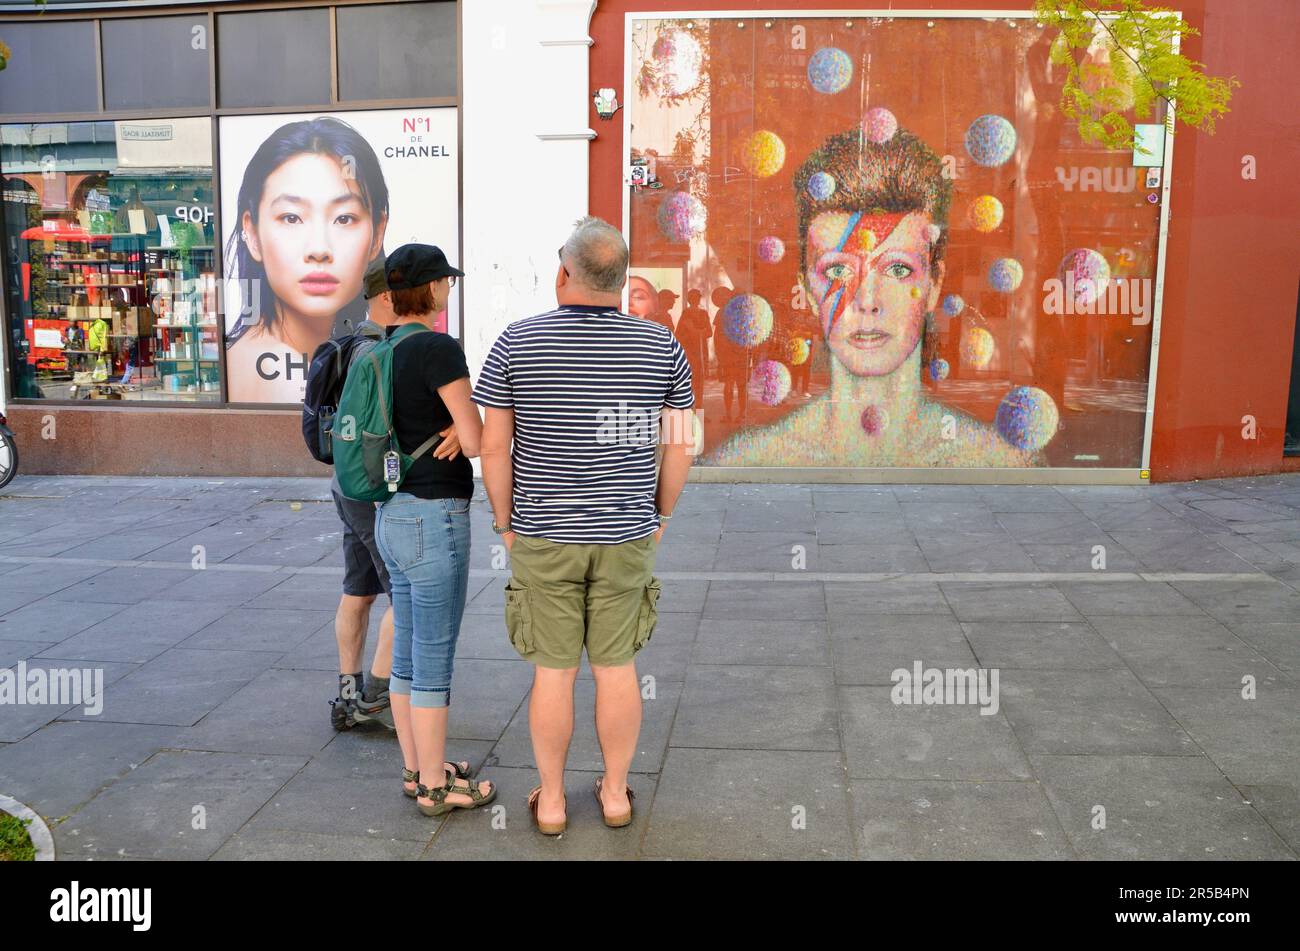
(420, 365)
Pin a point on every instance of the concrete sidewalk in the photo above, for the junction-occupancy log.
(1149, 709)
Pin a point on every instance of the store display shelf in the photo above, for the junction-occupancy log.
(54, 283)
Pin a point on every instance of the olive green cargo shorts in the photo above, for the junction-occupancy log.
(562, 597)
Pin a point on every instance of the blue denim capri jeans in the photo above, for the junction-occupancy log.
(425, 545)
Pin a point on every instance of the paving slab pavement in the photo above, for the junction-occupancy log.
(1155, 685)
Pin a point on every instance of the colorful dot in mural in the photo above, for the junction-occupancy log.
(990, 140)
(681, 216)
(879, 125)
(939, 369)
(977, 347)
(1005, 275)
(771, 249)
(933, 233)
(747, 320)
(830, 70)
(677, 59)
(821, 185)
(985, 213)
(867, 239)
(874, 420)
(1089, 272)
(798, 350)
(953, 305)
(764, 153)
(770, 383)
(1028, 418)
(828, 229)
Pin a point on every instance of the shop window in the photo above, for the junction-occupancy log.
(397, 51)
(155, 62)
(51, 67)
(109, 245)
(273, 58)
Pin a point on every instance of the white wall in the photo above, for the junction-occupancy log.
(525, 141)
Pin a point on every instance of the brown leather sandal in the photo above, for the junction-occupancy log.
(618, 822)
(546, 828)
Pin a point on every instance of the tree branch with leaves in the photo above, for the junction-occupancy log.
(1141, 65)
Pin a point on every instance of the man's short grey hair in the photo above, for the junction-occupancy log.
(596, 255)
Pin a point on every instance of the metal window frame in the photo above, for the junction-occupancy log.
(1054, 475)
(215, 112)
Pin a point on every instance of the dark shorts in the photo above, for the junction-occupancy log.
(364, 573)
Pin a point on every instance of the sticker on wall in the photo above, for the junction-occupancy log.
(1148, 145)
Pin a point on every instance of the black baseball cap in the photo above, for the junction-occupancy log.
(414, 265)
(376, 281)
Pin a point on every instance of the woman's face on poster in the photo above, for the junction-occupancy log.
(872, 293)
(314, 236)
(641, 297)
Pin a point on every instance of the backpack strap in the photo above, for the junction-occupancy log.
(425, 446)
(433, 440)
(398, 336)
(379, 391)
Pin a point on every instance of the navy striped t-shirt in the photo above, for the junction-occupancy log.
(587, 385)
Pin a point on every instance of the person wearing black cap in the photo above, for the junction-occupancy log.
(423, 531)
(364, 574)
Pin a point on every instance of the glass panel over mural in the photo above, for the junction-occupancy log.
(882, 245)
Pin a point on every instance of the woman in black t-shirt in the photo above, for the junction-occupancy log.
(422, 531)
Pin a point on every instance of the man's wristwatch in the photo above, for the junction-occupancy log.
(663, 517)
(499, 530)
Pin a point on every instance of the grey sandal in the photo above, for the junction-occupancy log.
(461, 769)
(439, 796)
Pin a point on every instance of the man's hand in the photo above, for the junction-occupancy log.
(509, 539)
(660, 534)
(449, 448)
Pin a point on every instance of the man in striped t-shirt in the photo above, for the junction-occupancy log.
(585, 393)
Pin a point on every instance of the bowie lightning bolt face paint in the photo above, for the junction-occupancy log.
(870, 276)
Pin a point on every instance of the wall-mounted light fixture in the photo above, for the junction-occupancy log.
(606, 101)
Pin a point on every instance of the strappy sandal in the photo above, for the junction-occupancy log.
(439, 796)
(618, 822)
(546, 828)
(461, 770)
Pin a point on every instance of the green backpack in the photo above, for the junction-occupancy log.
(369, 463)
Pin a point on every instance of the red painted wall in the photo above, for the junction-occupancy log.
(1232, 264)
